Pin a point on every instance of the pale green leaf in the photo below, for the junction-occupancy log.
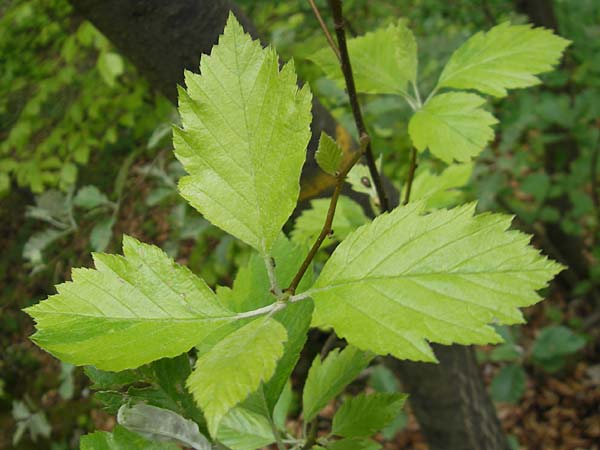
(131, 310)
(329, 155)
(506, 57)
(242, 429)
(349, 215)
(383, 61)
(453, 126)
(251, 291)
(327, 378)
(121, 439)
(235, 367)
(101, 233)
(162, 425)
(90, 197)
(244, 137)
(441, 190)
(364, 415)
(408, 278)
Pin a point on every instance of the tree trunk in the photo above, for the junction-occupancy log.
(164, 38)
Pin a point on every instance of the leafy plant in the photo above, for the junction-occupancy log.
(415, 274)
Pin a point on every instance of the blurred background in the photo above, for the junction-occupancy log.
(85, 156)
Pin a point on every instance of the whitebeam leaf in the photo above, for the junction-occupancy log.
(235, 367)
(244, 136)
(453, 126)
(383, 61)
(506, 57)
(329, 155)
(407, 278)
(131, 310)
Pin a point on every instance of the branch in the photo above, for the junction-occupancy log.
(336, 9)
(411, 175)
(328, 36)
(326, 230)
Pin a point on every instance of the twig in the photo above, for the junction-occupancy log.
(336, 9)
(326, 230)
(594, 178)
(328, 36)
(411, 175)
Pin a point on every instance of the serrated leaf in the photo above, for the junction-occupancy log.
(383, 61)
(162, 425)
(349, 215)
(439, 191)
(251, 291)
(244, 137)
(327, 378)
(242, 429)
(131, 310)
(452, 126)
(38, 242)
(235, 367)
(329, 155)
(506, 57)
(408, 278)
(364, 415)
(121, 439)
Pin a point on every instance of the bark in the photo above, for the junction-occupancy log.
(164, 38)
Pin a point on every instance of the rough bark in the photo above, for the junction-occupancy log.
(164, 38)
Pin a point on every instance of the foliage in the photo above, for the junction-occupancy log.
(394, 284)
(59, 88)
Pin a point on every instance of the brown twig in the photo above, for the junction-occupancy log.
(411, 175)
(336, 9)
(328, 36)
(326, 230)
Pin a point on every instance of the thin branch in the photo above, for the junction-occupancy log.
(411, 175)
(326, 230)
(328, 36)
(270, 265)
(336, 9)
(272, 308)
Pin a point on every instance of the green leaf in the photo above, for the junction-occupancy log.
(90, 197)
(440, 191)
(553, 344)
(509, 384)
(162, 425)
(349, 215)
(327, 378)
(110, 65)
(329, 155)
(452, 126)
(242, 429)
(101, 234)
(121, 439)
(354, 444)
(251, 291)
(408, 278)
(131, 310)
(506, 57)
(364, 415)
(383, 61)
(244, 137)
(235, 367)
(383, 379)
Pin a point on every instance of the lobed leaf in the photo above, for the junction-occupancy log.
(235, 367)
(244, 136)
(383, 61)
(452, 126)
(506, 57)
(364, 415)
(327, 378)
(131, 310)
(408, 278)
